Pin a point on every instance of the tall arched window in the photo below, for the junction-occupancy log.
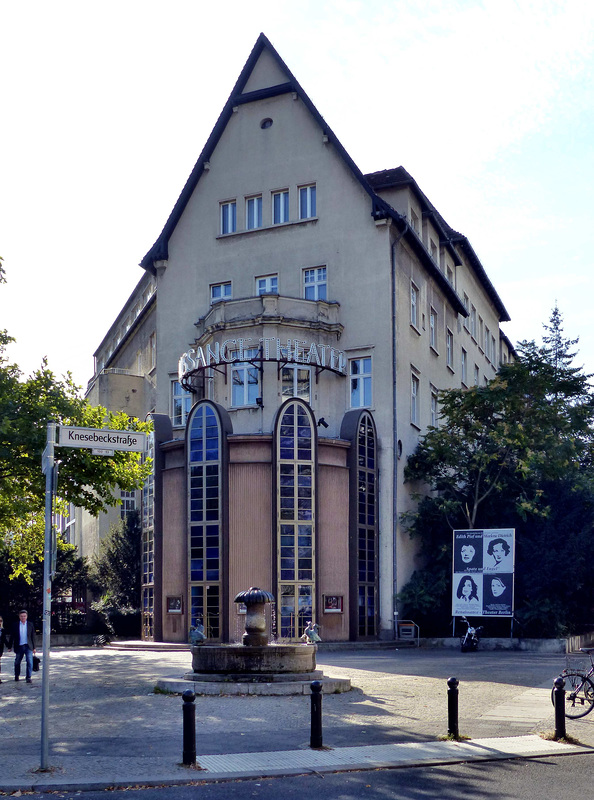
(148, 548)
(367, 526)
(296, 518)
(204, 448)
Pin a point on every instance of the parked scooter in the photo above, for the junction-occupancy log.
(469, 641)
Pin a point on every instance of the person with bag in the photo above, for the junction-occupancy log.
(22, 638)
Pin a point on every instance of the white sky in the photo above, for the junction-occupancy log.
(106, 106)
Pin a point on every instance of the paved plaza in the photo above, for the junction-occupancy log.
(109, 728)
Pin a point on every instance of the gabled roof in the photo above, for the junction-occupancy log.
(380, 209)
(398, 176)
(159, 251)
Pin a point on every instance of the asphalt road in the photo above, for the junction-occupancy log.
(563, 778)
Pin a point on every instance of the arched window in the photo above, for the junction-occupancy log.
(367, 526)
(148, 548)
(204, 448)
(296, 518)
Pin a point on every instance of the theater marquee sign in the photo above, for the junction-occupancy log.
(289, 351)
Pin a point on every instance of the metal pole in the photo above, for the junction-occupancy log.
(559, 700)
(48, 466)
(189, 728)
(315, 739)
(453, 729)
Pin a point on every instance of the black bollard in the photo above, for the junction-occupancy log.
(315, 739)
(559, 701)
(189, 727)
(453, 708)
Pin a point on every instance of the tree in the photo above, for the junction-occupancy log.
(87, 481)
(515, 453)
(115, 573)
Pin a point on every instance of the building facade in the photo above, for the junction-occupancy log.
(301, 318)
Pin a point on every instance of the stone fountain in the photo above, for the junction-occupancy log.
(255, 666)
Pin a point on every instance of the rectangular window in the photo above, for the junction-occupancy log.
(414, 399)
(181, 403)
(473, 322)
(480, 336)
(253, 212)
(450, 349)
(433, 328)
(280, 207)
(414, 305)
(464, 365)
(450, 275)
(220, 291)
(307, 201)
(152, 350)
(487, 343)
(360, 376)
(414, 220)
(434, 408)
(476, 375)
(245, 380)
(433, 250)
(314, 283)
(296, 382)
(267, 284)
(228, 217)
(128, 503)
(493, 351)
(466, 303)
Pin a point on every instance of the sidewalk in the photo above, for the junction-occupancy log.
(109, 729)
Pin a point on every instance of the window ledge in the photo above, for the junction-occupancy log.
(415, 425)
(451, 369)
(433, 350)
(415, 329)
(266, 228)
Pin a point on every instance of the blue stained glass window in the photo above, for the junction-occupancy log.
(204, 479)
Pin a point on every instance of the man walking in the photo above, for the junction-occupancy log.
(22, 636)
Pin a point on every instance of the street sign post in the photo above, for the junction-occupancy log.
(101, 439)
(102, 442)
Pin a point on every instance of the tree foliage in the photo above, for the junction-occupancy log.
(115, 571)
(515, 453)
(88, 481)
(25, 589)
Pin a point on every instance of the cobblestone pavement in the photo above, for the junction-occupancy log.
(102, 704)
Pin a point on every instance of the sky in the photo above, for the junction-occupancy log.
(106, 106)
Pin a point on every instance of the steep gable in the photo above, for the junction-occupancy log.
(267, 72)
(259, 79)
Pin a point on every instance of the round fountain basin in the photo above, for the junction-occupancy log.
(254, 660)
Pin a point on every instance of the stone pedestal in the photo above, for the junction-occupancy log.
(246, 660)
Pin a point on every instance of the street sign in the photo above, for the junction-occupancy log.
(101, 439)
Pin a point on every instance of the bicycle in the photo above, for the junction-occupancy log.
(579, 699)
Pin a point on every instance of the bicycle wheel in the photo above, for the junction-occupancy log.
(579, 695)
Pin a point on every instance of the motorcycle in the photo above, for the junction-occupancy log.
(469, 641)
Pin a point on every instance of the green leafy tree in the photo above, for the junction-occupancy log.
(19, 591)
(27, 405)
(115, 576)
(515, 453)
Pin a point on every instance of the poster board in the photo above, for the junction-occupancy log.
(483, 572)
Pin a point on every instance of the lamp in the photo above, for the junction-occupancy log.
(259, 402)
(322, 422)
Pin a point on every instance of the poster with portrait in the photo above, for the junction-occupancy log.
(483, 573)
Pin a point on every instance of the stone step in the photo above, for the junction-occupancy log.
(176, 685)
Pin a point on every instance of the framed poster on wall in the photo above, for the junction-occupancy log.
(483, 573)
